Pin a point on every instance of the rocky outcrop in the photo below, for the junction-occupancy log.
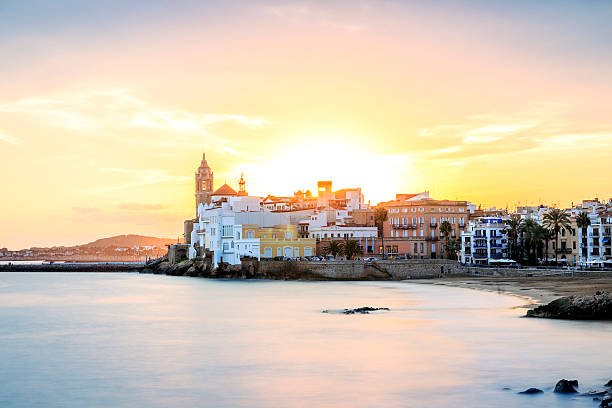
(596, 307)
(531, 391)
(566, 386)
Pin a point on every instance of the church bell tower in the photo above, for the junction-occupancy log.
(203, 183)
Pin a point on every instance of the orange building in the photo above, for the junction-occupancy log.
(413, 225)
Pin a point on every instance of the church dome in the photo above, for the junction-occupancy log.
(225, 190)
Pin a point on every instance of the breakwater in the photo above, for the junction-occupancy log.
(74, 267)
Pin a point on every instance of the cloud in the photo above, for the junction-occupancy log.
(139, 177)
(324, 16)
(9, 139)
(487, 135)
(115, 110)
(190, 122)
(142, 207)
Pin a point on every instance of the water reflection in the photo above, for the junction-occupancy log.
(131, 340)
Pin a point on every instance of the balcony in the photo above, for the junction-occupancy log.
(479, 256)
(480, 237)
(497, 245)
(564, 250)
(431, 238)
(433, 224)
(480, 245)
(497, 256)
(404, 226)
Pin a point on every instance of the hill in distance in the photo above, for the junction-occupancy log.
(130, 240)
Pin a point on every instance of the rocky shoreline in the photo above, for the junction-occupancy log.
(596, 307)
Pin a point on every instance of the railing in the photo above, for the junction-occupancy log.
(431, 238)
(479, 256)
(433, 224)
(480, 246)
(497, 256)
(564, 250)
(404, 226)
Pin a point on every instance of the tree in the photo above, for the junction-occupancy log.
(446, 228)
(513, 229)
(554, 220)
(452, 247)
(334, 248)
(531, 234)
(350, 248)
(380, 217)
(583, 221)
(547, 236)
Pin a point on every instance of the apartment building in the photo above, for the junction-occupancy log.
(595, 241)
(413, 225)
(485, 242)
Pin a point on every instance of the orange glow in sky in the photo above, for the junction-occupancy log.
(105, 110)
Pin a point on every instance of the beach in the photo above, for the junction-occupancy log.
(536, 290)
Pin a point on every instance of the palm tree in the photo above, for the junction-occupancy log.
(334, 248)
(380, 217)
(513, 229)
(554, 220)
(547, 236)
(529, 232)
(583, 221)
(446, 228)
(350, 248)
(452, 247)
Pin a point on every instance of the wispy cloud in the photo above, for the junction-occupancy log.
(137, 178)
(9, 139)
(142, 207)
(119, 109)
(324, 16)
(189, 122)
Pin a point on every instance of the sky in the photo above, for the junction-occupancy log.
(107, 107)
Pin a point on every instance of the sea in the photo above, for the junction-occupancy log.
(131, 340)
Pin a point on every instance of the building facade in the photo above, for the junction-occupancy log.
(485, 242)
(413, 225)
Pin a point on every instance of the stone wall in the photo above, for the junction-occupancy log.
(362, 270)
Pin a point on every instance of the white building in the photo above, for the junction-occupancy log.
(595, 245)
(484, 242)
(364, 235)
(218, 227)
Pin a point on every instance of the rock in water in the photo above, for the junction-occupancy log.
(364, 310)
(566, 386)
(597, 307)
(531, 391)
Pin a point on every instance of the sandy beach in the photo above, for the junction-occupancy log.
(536, 290)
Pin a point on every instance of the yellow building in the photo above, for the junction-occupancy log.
(280, 240)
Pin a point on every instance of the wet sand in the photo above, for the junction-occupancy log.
(536, 290)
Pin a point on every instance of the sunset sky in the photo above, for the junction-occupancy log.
(106, 107)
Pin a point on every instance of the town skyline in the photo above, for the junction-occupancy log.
(105, 109)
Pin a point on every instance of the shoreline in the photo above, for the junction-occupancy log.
(535, 290)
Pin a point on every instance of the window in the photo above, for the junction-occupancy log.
(421, 246)
(433, 247)
(307, 251)
(267, 252)
(289, 235)
(225, 246)
(415, 248)
(422, 233)
(279, 251)
(296, 251)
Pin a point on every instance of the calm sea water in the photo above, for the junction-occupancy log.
(128, 340)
